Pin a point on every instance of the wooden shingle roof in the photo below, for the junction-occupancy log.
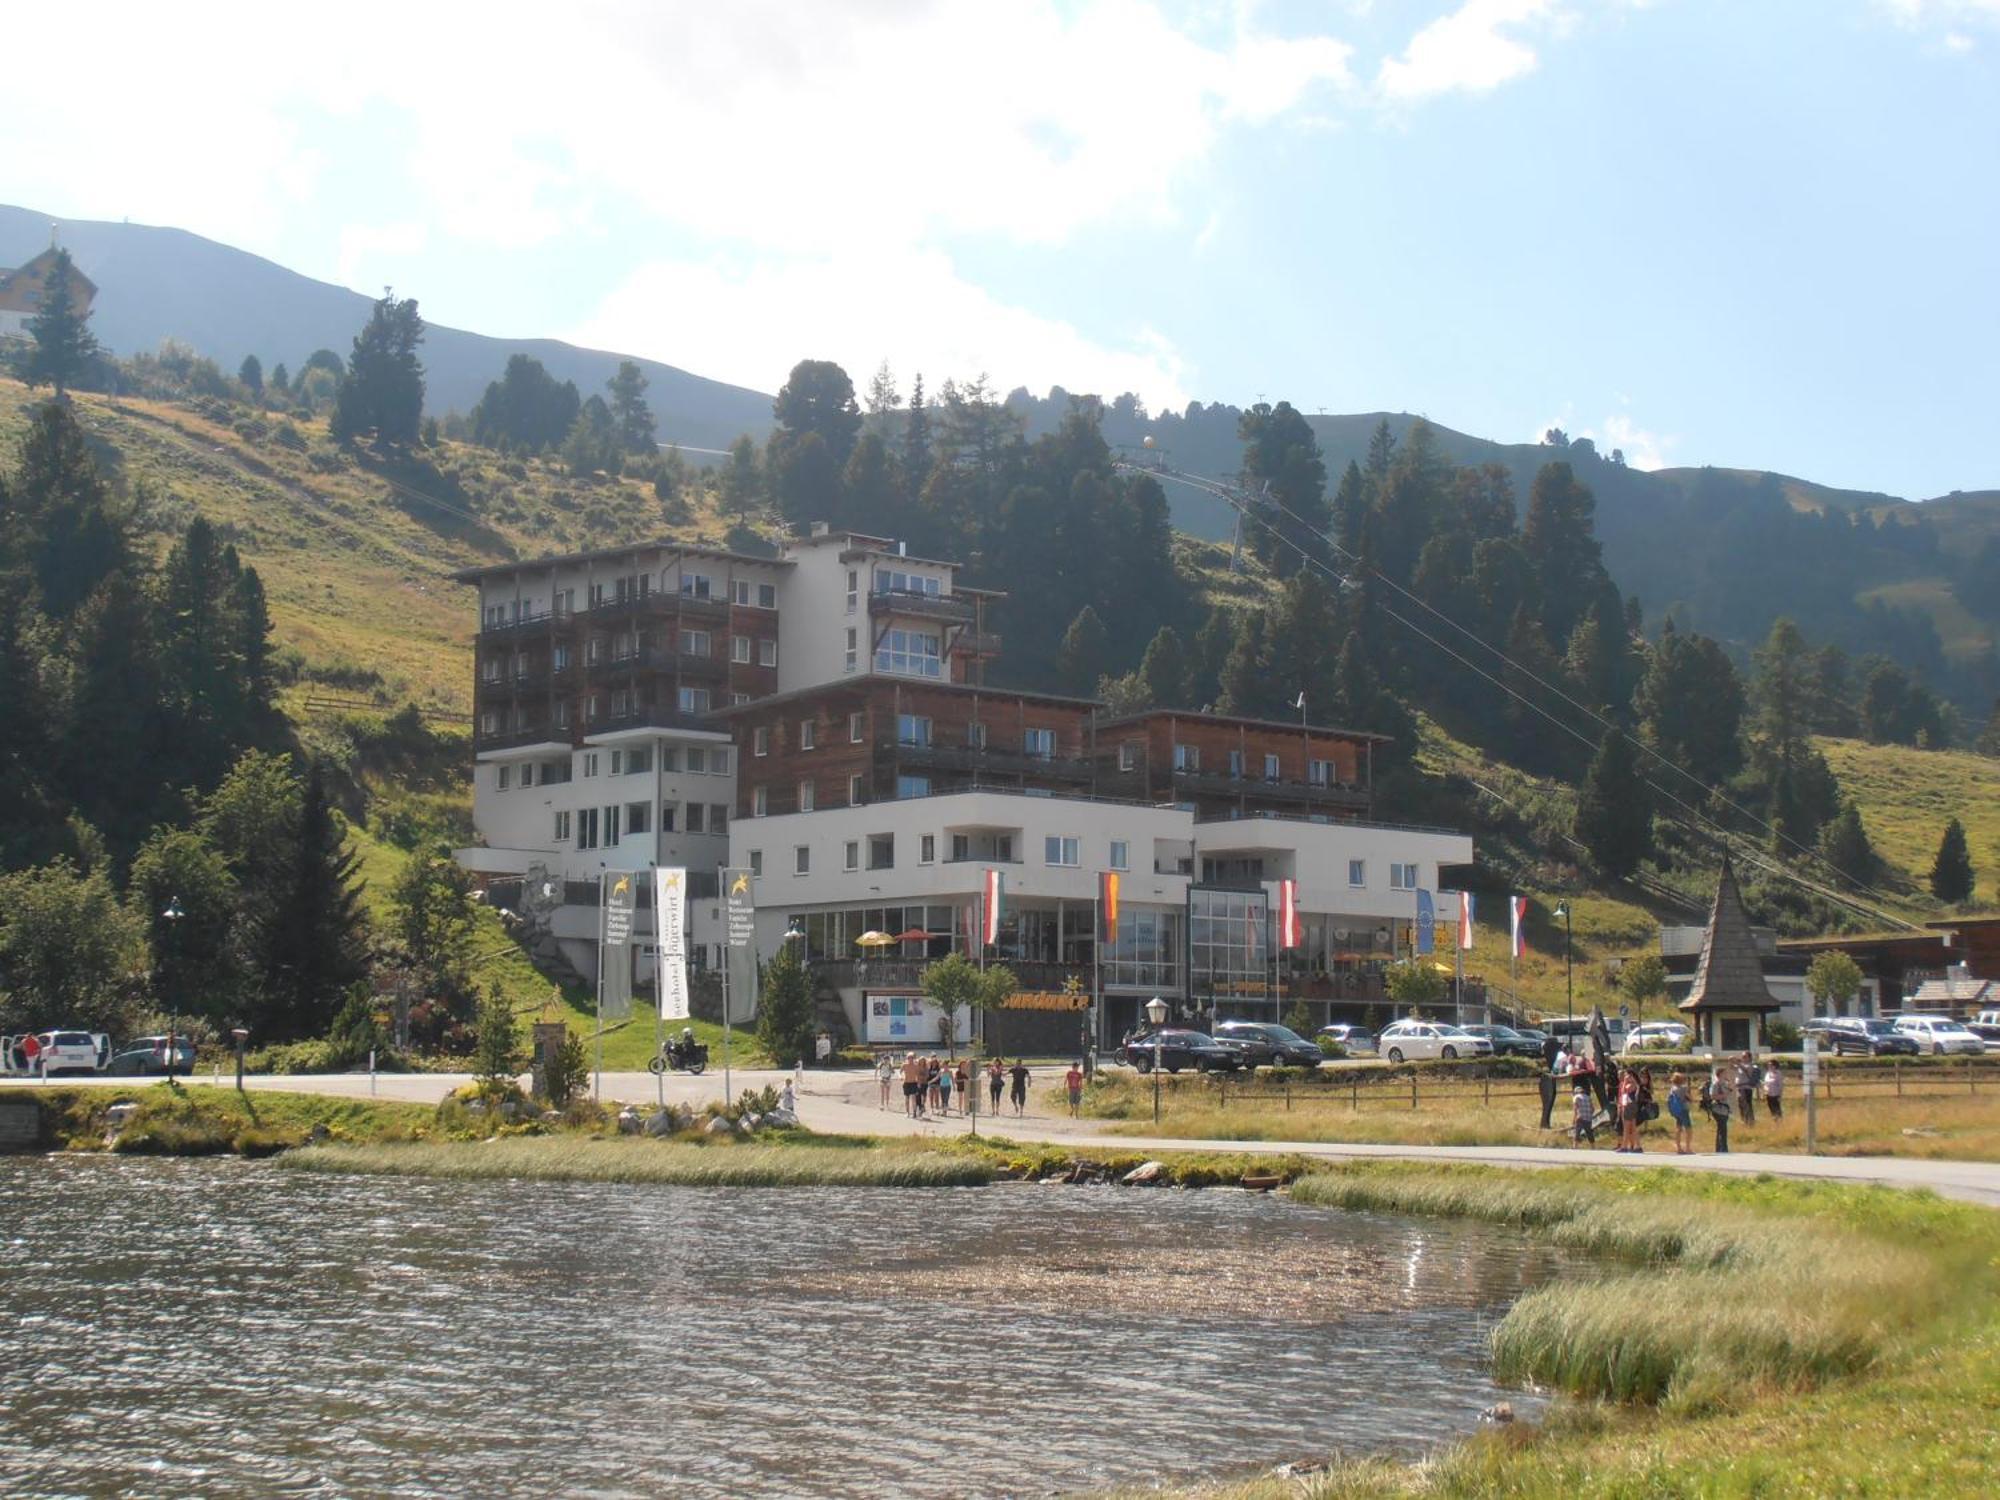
(1730, 975)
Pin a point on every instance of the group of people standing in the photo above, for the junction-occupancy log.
(1731, 1088)
(930, 1082)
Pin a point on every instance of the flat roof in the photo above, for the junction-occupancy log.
(863, 682)
(1289, 726)
(861, 544)
(1839, 944)
(664, 544)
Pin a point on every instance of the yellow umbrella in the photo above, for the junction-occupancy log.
(875, 939)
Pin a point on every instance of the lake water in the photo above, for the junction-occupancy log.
(227, 1328)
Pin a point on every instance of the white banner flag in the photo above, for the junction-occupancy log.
(673, 974)
(670, 915)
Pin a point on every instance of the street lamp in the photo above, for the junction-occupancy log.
(241, 1035)
(172, 915)
(1569, 973)
(1156, 1012)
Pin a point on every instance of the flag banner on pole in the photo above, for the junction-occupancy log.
(739, 908)
(1426, 923)
(1465, 920)
(620, 896)
(670, 911)
(1289, 934)
(1107, 906)
(673, 974)
(615, 986)
(1517, 911)
(995, 896)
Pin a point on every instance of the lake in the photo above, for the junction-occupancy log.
(222, 1327)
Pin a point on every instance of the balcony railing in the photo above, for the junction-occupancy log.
(527, 621)
(907, 973)
(1256, 789)
(915, 605)
(513, 739)
(988, 761)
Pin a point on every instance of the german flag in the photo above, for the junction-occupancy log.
(1107, 906)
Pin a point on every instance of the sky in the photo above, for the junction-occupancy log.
(1756, 233)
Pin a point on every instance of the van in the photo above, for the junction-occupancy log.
(1939, 1035)
(1572, 1033)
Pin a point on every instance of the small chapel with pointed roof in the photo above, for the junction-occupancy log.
(1728, 1001)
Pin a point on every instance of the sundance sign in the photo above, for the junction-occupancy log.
(1046, 1000)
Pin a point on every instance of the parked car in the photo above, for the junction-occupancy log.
(1816, 1026)
(1419, 1041)
(1868, 1036)
(147, 1055)
(1656, 1036)
(1355, 1041)
(73, 1052)
(1507, 1042)
(1938, 1035)
(1988, 1033)
(1180, 1049)
(1265, 1043)
(1574, 1032)
(1534, 1034)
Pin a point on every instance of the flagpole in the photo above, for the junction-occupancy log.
(597, 1085)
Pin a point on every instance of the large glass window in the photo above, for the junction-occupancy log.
(910, 653)
(1147, 954)
(912, 729)
(1229, 944)
(896, 581)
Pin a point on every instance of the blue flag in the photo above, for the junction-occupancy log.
(1426, 923)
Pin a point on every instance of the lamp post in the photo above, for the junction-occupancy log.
(240, 1034)
(172, 915)
(1569, 973)
(1156, 1012)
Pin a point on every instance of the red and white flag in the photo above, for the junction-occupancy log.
(1288, 914)
(992, 895)
(1465, 920)
(1517, 911)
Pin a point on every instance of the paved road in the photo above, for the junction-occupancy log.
(849, 1103)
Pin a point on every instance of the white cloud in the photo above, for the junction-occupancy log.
(360, 244)
(1643, 448)
(750, 320)
(1471, 50)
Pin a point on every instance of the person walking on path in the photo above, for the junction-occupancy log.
(1019, 1093)
(1628, 1112)
(1546, 1083)
(931, 1082)
(962, 1081)
(1746, 1088)
(1719, 1108)
(944, 1081)
(1677, 1106)
(885, 1074)
(1583, 1113)
(913, 1086)
(1073, 1081)
(996, 1081)
(1774, 1089)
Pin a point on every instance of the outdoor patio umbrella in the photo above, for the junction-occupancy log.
(875, 939)
(914, 935)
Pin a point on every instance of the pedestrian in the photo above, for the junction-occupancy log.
(1547, 1085)
(31, 1053)
(963, 1081)
(944, 1081)
(1551, 1046)
(788, 1101)
(1583, 1125)
(885, 1074)
(1719, 1108)
(1677, 1106)
(1628, 1112)
(1565, 1060)
(1746, 1088)
(1073, 1081)
(996, 1080)
(1019, 1093)
(1774, 1089)
(931, 1081)
(913, 1086)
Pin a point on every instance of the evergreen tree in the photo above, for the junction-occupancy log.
(1381, 451)
(497, 1054)
(883, 397)
(593, 443)
(249, 627)
(917, 440)
(251, 374)
(871, 494)
(630, 414)
(1843, 843)
(785, 1008)
(1350, 509)
(1209, 653)
(1246, 676)
(1597, 658)
(113, 736)
(281, 380)
(738, 483)
(1951, 871)
(817, 399)
(63, 347)
(1689, 704)
(1165, 669)
(313, 939)
(1989, 737)
(1081, 660)
(194, 958)
(1614, 811)
(1561, 543)
(1282, 457)
(526, 408)
(383, 392)
(1303, 632)
(62, 524)
(432, 901)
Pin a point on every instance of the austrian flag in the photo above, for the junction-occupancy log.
(1288, 914)
(993, 893)
(1517, 910)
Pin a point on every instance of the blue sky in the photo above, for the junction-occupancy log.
(1741, 232)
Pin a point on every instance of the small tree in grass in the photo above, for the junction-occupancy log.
(1299, 1018)
(1951, 872)
(570, 1073)
(785, 1008)
(1414, 984)
(1644, 979)
(1832, 980)
(954, 983)
(496, 1055)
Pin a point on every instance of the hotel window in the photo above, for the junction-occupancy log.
(586, 828)
(850, 854)
(590, 762)
(592, 707)
(805, 796)
(1128, 756)
(767, 653)
(559, 659)
(737, 700)
(927, 849)
(760, 740)
(767, 596)
(1402, 877)
(528, 774)
(739, 649)
(1040, 744)
(857, 791)
(913, 729)
(718, 817)
(624, 702)
(848, 664)
(913, 786)
(975, 735)
(562, 714)
(500, 775)
(805, 734)
(739, 591)
(695, 813)
(596, 595)
(1271, 771)
(695, 585)
(881, 851)
(854, 723)
(802, 859)
(756, 864)
(694, 700)
(760, 802)
(489, 723)
(1121, 855)
(593, 650)
(617, 762)
(853, 584)
(1235, 763)
(694, 643)
(1187, 757)
(562, 827)
(611, 826)
(718, 762)
(1357, 873)
(1061, 851)
(638, 817)
(909, 653)
(895, 581)
(491, 669)
(670, 758)
(697, 760)
(638, 760)
(667, 811)
(1322, 773)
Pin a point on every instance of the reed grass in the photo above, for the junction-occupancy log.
(584, 1159)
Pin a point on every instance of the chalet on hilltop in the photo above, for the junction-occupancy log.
(21, 291)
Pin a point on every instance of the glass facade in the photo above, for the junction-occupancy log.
(1229, 945)
(1147, 955)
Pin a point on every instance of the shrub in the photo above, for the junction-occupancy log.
(1333, 1049)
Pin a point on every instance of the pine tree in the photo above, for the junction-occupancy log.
(251, 374)
(63, 346)
(383, 392)
(1246, 676)
(114, 736)
(497, 1055)
(1614, 813)
(1689, 703)
(1951, 871)
(917, 440)
(63, 524)
(1303, 633)
(1843, 843)
(313, 940)
(1165, 669)
(629, 412)
(1081, 659)
(281, 379)
(785, 1008)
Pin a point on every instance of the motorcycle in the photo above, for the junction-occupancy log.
(681, 1057)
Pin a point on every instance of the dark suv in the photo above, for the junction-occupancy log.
(1869, 1036)
(1265, 1043)
(1507, 1042)
(1180, 1049)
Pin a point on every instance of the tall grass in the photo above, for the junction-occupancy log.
(570, 1159)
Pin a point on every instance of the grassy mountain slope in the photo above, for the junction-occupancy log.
(156, 283)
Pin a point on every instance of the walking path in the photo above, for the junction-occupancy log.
(848, 1103)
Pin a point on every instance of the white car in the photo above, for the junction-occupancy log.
(1937, 1035)
(73, 1052)
(1421, 1041)
(1656, 1036)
